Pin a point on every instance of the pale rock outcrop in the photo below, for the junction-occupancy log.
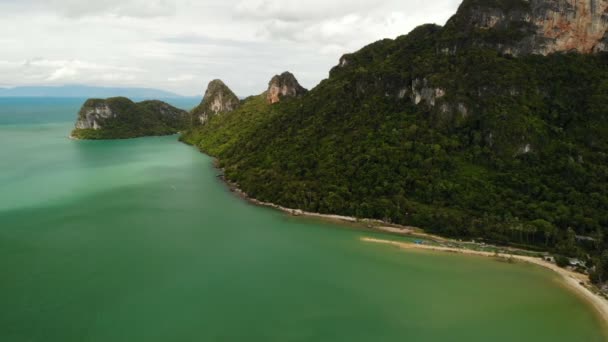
(218, 99)
(463, 110)
(422, 91)
(544, 26)
(402, 92)
(93, 113)
(343, 61)
(524, 149)
(284, 85)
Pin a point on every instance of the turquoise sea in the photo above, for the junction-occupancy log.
(137, 240)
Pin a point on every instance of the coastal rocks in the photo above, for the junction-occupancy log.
(284, 85)
(218, 99)
(93, 113)
(537, 26)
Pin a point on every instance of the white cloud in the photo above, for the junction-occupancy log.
(297, 10)
(46, 71)
(64, 73)
(7, 64)
(181, 78)
(117, 77)
(120, 8)
(180, 45)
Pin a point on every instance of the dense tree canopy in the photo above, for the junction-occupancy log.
(132, 120)
(512, 150)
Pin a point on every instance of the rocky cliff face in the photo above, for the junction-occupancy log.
(284, 85)
(520, 27)
(218, 99)
(93, 113)
(421, 91)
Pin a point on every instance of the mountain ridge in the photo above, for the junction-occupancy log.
(475, 133)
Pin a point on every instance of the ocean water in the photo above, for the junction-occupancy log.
(137, 240)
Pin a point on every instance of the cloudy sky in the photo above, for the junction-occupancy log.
(181, 45)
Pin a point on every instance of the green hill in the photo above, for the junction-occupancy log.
(121, 118)
(440, 130)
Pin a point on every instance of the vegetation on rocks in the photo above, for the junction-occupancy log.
(218, 99)
(467, 143)
(121, 118)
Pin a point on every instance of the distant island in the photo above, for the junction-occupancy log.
(493, 127)
(121, 118)
(83, 91)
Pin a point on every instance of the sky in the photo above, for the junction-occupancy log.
(181, 45)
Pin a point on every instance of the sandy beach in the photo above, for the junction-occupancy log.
(577, 282)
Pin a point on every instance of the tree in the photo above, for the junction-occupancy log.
(562, 261)
(546, 228)
(600, 275)
(568, 245)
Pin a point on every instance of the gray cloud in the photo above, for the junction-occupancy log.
(199, 39)
(297, 10)
(180, 45)
(119, 8)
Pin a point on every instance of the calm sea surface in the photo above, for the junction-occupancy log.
(137, 240)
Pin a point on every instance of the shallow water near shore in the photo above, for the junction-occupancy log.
(137, 240)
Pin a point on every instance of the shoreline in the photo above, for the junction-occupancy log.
(382, 226)
(579, 284)
(576, 282)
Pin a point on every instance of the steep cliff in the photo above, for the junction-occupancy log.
(120, 118)
(282, 86)
(519, 27)
(93, 113)
(218, 99)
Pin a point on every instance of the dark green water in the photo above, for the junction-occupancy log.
(138, 241)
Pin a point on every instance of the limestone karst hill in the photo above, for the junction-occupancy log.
(282, 86)
(121, 118)
(218, 99)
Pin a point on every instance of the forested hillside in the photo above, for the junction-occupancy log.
(439, 131)
(121, 118)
